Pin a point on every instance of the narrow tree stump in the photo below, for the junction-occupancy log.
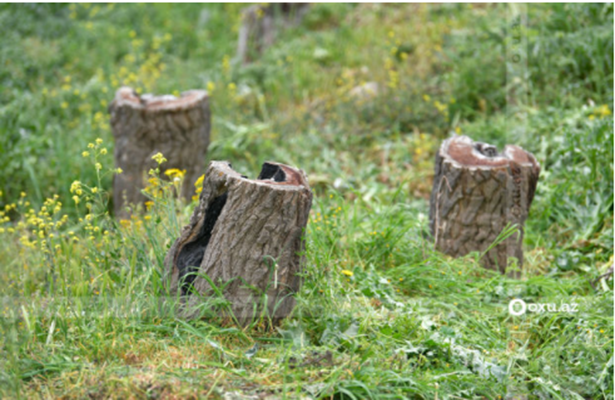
(262, 23)
(246, 236)
(476, 193)
(145, 125)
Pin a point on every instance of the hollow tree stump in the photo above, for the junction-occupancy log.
(246, 236)
(145, 125)
(476, 193)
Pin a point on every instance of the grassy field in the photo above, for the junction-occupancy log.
(381, 314)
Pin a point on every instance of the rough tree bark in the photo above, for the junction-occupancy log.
(145, 125)
(246, 236)
(260, 25)
(476, 193)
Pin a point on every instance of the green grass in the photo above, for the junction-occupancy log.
(82, 312)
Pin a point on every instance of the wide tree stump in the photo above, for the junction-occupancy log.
(247, 237)
(261, 24)
(476, 193)
(145, 125)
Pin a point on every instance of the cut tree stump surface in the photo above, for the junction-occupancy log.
(477, 191)
(177, 127)
(245, 235)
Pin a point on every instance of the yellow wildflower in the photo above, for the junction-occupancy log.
(347, 273)
(76, 185)
(199, 182)
(159, 158)
(175, 173)
(604, 111)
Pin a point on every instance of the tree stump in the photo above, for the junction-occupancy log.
(476, 193)
(247, 237)
(145, 125)
(260, 25)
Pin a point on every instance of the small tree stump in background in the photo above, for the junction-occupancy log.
(261, 24)
(476, 193)
(248, 232)
(145, 125)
